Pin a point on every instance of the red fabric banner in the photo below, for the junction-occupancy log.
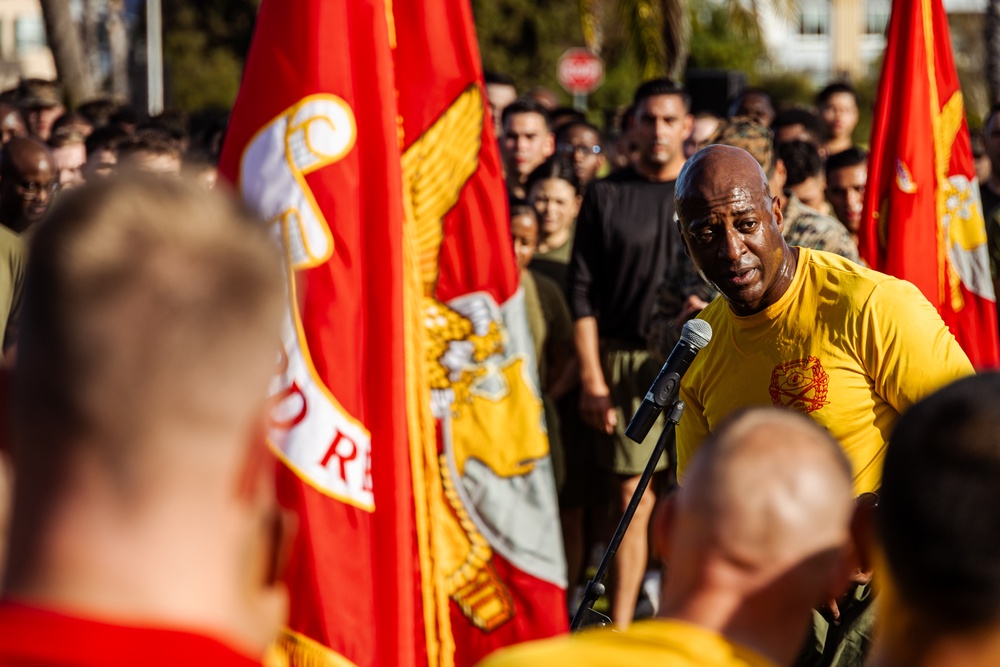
(499, 532)
(407, 410)
(923, 219)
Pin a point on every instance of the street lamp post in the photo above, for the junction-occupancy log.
(154, 55)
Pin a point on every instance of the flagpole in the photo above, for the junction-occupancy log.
(154, 56)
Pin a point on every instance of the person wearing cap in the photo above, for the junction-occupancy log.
(43, 104)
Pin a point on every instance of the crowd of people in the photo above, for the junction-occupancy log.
(643, 226)
(832, 423)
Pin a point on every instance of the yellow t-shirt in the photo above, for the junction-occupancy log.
(665, 643)
(848, 346)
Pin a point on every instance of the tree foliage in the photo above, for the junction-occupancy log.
(524, 38)
(714, 45)
(204, 47)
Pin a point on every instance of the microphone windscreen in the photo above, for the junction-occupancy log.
(696, 333)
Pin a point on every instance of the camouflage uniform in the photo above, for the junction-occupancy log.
(808, 228)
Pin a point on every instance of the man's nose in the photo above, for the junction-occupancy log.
(855, 200)
(733, 246)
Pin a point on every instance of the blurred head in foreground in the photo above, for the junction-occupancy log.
(758, 535)
(144, 491)
(937, 521)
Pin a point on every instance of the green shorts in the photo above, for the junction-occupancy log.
(629, 372)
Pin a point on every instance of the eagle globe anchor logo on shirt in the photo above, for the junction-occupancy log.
(800, 385)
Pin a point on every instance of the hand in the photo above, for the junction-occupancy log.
(597, 410)
(693, 305)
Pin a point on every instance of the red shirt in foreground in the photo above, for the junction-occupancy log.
(31, 637)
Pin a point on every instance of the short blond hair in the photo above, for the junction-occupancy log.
(147, 304)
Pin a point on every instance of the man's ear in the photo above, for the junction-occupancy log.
(664, 516)
(258, 467)
(550, 144)
(863, 538)
(779, 217)
(680, 230)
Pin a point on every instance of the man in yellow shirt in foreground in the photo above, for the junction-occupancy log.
(759, 536)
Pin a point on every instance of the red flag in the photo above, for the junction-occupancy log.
(923, 219)
(503, 571)
(407, 415)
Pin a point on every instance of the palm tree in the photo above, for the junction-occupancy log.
(659, 29)
(67, 50)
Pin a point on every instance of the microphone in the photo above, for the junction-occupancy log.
(695, 335)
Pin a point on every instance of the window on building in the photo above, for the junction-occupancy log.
(814, 18)
(877, 16)
(29, 33)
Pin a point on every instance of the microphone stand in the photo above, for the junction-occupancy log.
(595, 587)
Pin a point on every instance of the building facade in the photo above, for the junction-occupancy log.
(23, 48)
(832, 39)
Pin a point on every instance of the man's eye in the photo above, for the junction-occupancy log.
(746, 225)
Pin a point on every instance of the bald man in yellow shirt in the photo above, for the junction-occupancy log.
(807, 331)
(759, 537)
(798, 328)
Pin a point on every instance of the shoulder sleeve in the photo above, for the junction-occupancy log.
(18, 256)
(585, 262)
(692, 429)
(557, 317)
(993, 241)
(907, 349)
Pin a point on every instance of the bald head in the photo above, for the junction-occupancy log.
(713, 172)
(22, 154)
(768, 489)
(759, 533)
(28, 180)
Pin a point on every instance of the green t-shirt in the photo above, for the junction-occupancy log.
(13, 261)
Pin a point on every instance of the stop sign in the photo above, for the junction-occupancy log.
(580, 72)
